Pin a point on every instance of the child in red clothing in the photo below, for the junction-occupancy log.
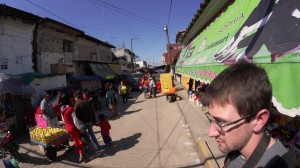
(105, 127)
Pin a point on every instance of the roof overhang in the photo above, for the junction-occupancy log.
(208, 12)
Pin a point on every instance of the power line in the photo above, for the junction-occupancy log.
(52, 13)
(128, 13)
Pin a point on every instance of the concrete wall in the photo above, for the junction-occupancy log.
(91, 51)
(15, 46)
(50, 49)
(142, 64)
(122, 52)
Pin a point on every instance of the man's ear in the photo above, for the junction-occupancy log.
(261, 120)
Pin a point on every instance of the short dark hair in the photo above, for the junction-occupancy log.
(102, 117)
(77, 94)
(45, 94)
(244, 85)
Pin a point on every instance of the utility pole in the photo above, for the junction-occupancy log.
(132, 54)
(169, 52)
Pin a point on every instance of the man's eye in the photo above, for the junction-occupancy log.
(220, 122)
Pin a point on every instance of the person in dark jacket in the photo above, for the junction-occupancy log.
(85, 114)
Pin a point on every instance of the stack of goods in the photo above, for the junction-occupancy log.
(46, 135)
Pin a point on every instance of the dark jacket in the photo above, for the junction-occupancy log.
(84, 111)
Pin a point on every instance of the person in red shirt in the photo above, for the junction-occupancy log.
(105, 127)
(146, 83)
(67, 113)
(158, 86)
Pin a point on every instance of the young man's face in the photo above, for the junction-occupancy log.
(232, 137)
(46, 97)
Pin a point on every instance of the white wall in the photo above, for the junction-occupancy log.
(15, 46)
(141, 64)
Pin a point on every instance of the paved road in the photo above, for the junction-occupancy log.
(149, 133)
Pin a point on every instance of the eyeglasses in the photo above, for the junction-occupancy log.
(221, 126)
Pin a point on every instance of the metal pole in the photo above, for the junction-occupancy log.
(169, 52)
(132, 56)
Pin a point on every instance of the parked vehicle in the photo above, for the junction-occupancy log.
(134, 81)
(7, 145)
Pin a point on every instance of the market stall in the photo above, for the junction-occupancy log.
(15, 100)
(49, 139)
(246, 31)
(265, 33)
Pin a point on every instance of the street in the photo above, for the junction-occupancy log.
(147, 133)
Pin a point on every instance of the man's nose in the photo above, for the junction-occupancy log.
(212, 131)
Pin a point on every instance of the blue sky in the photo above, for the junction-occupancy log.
(117, 21)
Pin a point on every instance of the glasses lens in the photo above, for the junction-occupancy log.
(217, 125)
(214, 122)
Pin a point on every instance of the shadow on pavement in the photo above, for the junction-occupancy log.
(125, 113)
(119, 145)
(138, 102)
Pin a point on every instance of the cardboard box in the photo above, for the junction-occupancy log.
(59, 68)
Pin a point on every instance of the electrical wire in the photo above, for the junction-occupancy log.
(52, 13)
(125, 12)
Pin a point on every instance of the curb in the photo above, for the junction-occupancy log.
(205, 155)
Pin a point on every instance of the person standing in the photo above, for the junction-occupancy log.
(105, 127)
(152, 87)
(111, 100)
(239, 102)
(47, 111)
(67, 113)
(190, 85)
(85, 114)
(123, 91)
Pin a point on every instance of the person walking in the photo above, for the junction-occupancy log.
(111, 100)
(85, 114)
(123, 91)
(239, 102)
(105, 127)
(47, 111)
(67, 113)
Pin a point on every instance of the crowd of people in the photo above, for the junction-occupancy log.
(79, 117)
(238, 105)
(149, 84)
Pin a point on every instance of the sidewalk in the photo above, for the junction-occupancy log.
(198, 124)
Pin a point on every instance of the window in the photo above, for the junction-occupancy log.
(3, 63)
(67, 46)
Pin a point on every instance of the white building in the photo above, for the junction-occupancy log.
(16, 36)
(141, 64)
